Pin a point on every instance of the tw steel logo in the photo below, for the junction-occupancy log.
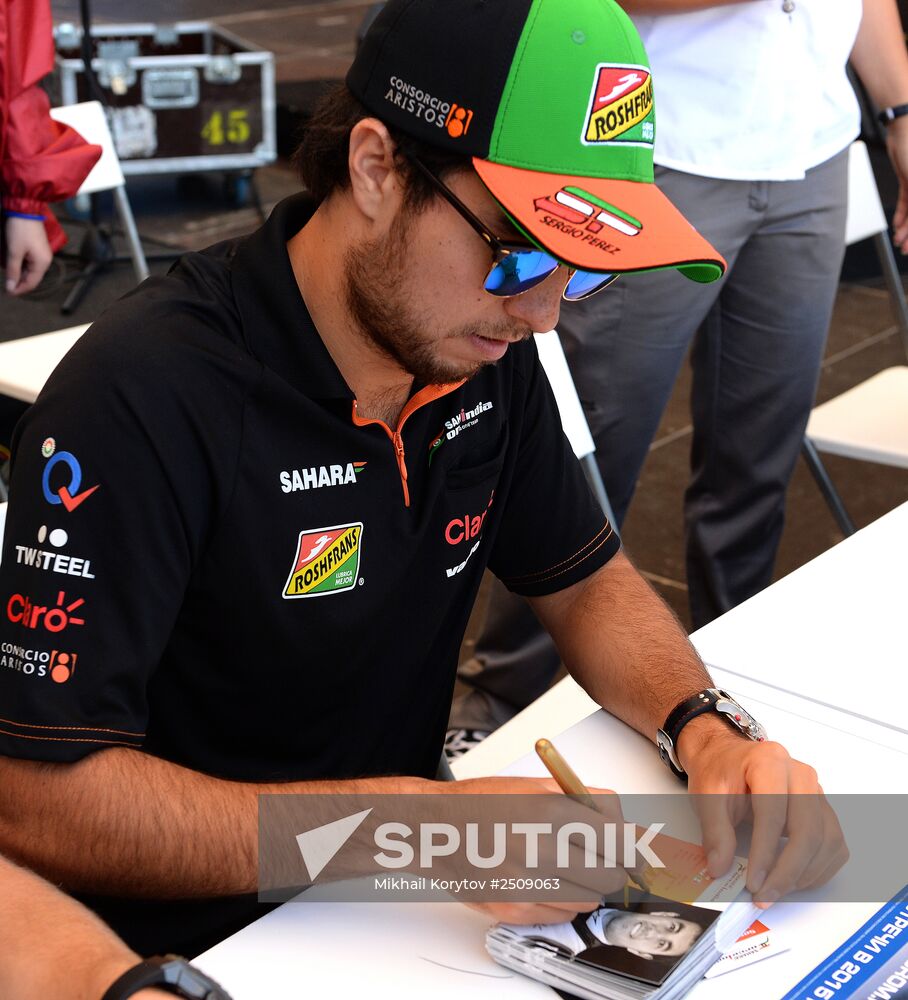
(23, 611)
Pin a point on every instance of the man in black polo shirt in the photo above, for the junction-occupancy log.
(251, 510)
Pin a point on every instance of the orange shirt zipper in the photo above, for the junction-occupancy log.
(425, 395)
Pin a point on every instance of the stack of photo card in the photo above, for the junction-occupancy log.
(652, 947)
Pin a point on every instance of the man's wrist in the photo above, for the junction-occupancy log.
(897, 125)
(702, 735)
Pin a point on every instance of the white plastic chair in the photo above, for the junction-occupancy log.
(89, 121)
(869, 421)
(573, 419)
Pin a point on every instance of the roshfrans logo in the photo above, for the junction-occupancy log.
(317, 476)
(326, 562)
(620, 104)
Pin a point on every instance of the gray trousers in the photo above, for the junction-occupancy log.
(758, 337)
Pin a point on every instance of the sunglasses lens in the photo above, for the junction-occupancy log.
(519, 271)
(585, 283)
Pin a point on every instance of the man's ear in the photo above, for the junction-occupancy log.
(374, 180)
(640, 954)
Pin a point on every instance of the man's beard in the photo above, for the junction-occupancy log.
(376, 296)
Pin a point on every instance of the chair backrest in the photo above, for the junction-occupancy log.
(89, 121)
(573, 419)
(865, 210)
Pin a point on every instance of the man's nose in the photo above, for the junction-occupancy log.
(540, 307)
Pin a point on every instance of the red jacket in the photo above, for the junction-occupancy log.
(40, 159)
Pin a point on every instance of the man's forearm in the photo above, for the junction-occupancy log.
(623, 645)
(879, 54)
(126, 823)
(52, 947)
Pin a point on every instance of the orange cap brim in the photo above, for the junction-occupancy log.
(598, 224)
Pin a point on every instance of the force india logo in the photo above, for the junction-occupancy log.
(326, 562)
(622, 99)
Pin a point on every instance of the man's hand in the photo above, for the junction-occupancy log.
(732, 778)
(602, 880)
(28, 254)
(897, 145)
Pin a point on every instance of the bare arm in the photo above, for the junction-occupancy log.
(52, 946)
(618, 638)
(125, 823)
(626, 649)
(881, 61)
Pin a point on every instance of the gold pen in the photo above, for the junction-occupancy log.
(571, 785)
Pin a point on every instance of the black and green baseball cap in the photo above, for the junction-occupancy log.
(553, 99)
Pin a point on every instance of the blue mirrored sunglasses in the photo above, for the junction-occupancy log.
(515, 267)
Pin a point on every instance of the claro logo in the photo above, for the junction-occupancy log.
(23, 611)
(462, 529)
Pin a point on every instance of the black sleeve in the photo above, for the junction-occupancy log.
(119, 471)
(552, 532)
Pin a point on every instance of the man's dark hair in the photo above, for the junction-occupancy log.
(322, 155)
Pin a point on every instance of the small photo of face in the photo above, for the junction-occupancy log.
(650, 934)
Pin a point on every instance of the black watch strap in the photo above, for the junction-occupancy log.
(689, 709)
(888, 115)
(710, 699)
(678, 718)
(169, 973)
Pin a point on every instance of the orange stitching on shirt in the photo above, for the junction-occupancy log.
(567, 569)
(81, 729)
(544, 573)
(64, 739)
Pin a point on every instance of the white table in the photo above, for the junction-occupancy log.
(410, 950)
(855, 591)
(26, 364)
(832, 631)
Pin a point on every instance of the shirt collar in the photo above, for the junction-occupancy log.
(276, 323)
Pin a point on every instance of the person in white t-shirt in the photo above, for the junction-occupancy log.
(756, 114)
(647, 935)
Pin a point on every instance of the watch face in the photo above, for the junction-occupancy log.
(740, 718)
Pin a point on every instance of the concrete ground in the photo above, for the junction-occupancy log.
(314, 42)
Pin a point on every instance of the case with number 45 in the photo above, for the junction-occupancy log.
(180, 98)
